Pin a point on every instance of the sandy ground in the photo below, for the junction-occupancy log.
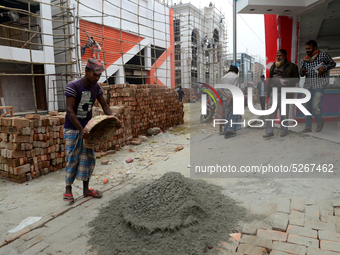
(257, 193)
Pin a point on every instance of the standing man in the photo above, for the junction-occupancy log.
(230, 128)
(180, 93)
(279, 74)
(261, 91)
(80, 96)
(314, 67)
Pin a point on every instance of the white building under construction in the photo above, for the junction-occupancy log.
(200, 44)
(42, 46)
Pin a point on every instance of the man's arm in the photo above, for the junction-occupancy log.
(104, 105)
(295, 76)
(328, 62)
(303, 69)
(70, 103)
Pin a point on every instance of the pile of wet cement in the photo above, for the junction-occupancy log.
(172, 215)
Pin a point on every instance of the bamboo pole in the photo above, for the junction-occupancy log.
(31, 59)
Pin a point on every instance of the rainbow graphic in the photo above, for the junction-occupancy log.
(213, 90)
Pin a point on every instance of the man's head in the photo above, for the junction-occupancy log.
(93, 70)
(233, 69)
(311, 46)
(262, 77)
(281, 56)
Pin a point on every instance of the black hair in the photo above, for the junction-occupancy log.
(313, 43)
(233, 69)
(283, 51)
(262, 76)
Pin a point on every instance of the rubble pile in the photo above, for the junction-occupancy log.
(31, 146)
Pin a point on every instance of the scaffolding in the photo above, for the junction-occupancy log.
(195, 38)
(141, 42)
(25, 30)
(200, 45)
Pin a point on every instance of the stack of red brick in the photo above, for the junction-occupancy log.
(35, 145)
(31, 146)
(123, 135)
(150, 105)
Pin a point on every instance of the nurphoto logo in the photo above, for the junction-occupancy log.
(238, 104)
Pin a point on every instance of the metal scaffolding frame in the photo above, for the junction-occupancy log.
(197, 50)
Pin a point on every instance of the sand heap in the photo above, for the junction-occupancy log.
(172, 215)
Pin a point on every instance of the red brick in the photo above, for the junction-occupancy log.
(301, 240)
(312, 212)
(22, 169)
(21, 138)
(12, 130)
(179, 148)
(105, 162)
(11, 238)
(272, 235)
(7, 122)
(330, 246)
(329, 236)
(129, 160)
(318, 225)
(330, 219)
(257, 241)
(337, 211)
(302, 231)
(32, 116)
(53, 113)
(275, 252)
(317, 251)
(251, 249)
(289, 248)
(20, 122)
(232, 243)
(15, 154)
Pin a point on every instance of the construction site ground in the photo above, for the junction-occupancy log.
(308, 206)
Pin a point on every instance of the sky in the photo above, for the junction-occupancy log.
(250, 27)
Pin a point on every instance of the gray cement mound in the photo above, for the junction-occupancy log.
(172, 215)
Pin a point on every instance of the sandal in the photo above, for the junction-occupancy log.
(319, 127)
(95, 194)
(229, 135)
(306, 130)
(68, 197)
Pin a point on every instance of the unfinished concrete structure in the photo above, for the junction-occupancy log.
(200, 44)
(42, 44)
(28, 44)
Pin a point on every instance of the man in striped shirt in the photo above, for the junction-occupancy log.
(314, 67)
(80, 96)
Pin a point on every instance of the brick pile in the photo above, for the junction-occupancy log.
(31, 146)
(34, 145)
(149, 105)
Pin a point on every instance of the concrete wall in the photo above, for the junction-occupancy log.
(17, 90)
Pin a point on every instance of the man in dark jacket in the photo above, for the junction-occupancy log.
(180, 93)
(282, 74)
